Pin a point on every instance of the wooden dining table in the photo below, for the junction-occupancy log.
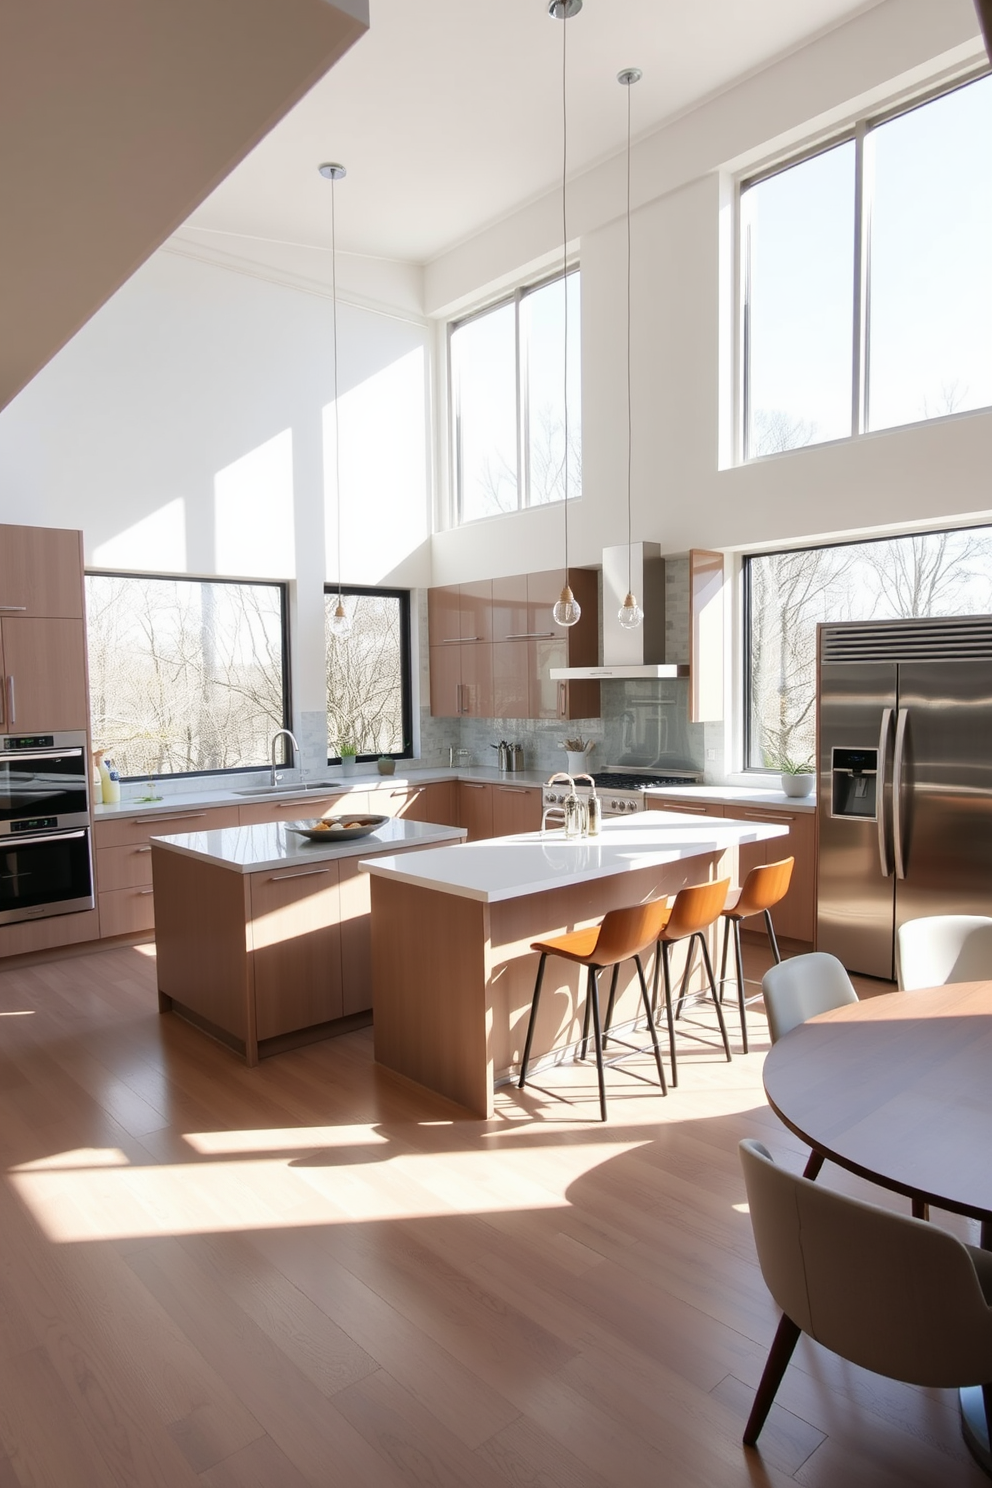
(898, 1088)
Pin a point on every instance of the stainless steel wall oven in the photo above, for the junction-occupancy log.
(45, 851)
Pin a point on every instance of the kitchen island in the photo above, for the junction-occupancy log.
(452, 969)
(263, 937)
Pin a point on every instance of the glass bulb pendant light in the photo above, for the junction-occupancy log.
(568, 610)
(630, 613)
(340, 624)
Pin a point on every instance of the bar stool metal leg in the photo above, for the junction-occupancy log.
(667, 968)
(771, 935)
(723, 959)
(716, 1000)
(739, 958)
(585, 1023)
(598, 1036)
(613, 998)
(533, 1019)
(654, 1031)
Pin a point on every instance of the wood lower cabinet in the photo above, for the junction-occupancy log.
(294, 933)
(123, 862)
(433, 802)
(516, 808)
(475, 809)
(306, 809)
(795, 916)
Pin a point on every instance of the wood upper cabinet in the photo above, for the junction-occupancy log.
(527, 644)
(459, 620)
(44, 675)
(41, 573)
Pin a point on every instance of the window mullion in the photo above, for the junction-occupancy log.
(859, 341)
(523, 413)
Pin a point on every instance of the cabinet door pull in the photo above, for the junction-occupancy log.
(142, 849)
(12, 609)
(307, 873)
(143, 821)
(562, 705)
(531, 635)
(514, 790)
(11, 715)
(473, 785)
(143, 892)
(3, 690)
(767, 816)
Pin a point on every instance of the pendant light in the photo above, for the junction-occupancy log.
(567, 611)
(340, 624)
(630, 613)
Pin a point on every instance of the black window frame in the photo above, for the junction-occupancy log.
(284, 631)
(406, 661)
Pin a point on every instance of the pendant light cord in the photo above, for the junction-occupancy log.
(337, 423)
(629, 524)
(564, 263)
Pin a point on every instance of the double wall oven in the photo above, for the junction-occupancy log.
(45, 853)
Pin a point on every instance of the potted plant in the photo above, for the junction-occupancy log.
(797, 778)
(348, 750)
(385, 764)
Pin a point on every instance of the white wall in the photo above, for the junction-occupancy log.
(682, 336)
(187, 428)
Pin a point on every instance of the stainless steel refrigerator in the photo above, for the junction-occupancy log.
(904, 741)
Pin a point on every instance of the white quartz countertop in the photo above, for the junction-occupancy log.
(513, 867)
(273, 845)
(173, 801)
(732, 795)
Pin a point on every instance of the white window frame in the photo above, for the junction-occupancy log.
(516, 298)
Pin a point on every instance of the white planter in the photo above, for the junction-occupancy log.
(347, 764)
(576, 761)
(797, 785)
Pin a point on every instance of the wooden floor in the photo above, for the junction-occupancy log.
(309, 1273)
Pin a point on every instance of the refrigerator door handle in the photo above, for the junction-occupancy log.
(883, 750)
(902, 719)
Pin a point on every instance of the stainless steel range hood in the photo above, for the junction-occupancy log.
(631, 653)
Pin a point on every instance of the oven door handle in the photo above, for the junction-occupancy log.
(15, 840)
(11, 756)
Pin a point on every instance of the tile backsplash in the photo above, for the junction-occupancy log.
(643, 722)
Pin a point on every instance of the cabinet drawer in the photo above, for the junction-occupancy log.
(126, 911)
(121, 831)
(687, 808)
(308, 808)
(128, 867)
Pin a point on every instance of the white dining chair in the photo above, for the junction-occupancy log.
(905, 1299)
(943, 948)
(801, 987)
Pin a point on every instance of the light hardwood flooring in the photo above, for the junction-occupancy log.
(312, 1273)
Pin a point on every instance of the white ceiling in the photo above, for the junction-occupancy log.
(447, 114)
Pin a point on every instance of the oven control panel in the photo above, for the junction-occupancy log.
(35, 824)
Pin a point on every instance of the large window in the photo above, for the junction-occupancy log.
(867, 300)
(186, 675)
(368, 674)
(507, 368)
(787, 594)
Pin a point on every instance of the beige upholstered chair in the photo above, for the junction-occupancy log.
(801, 987)
(943, 948)
(889, 1293)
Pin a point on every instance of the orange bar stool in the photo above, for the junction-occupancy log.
(763, 888)
(692, 913)
(621, 935)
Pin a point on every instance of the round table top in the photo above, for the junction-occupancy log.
(897, 1088)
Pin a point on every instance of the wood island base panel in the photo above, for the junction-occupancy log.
(452, 968)
(264, 941)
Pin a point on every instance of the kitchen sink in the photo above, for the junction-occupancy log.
(297, 789)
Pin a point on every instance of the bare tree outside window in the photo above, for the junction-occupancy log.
(368, 675)
(185, 675)
(789, 594)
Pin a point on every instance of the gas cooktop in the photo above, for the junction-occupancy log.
(631, 779)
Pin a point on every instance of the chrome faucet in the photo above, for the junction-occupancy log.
(279, 734)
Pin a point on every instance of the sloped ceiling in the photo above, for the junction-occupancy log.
(117, 118)
(984, 8)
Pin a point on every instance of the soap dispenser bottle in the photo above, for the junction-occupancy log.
(110, 780)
